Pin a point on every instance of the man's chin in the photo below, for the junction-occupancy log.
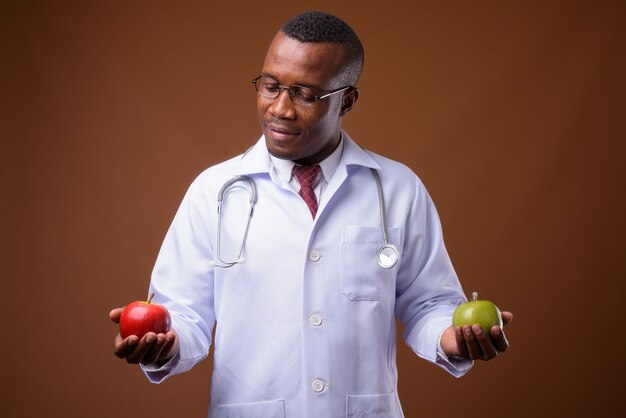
(278, 150)
(280, 154)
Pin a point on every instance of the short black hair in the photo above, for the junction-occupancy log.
(317, 26)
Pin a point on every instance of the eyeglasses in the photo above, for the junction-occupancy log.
(300, 95)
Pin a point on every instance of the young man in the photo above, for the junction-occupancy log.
(304, 299)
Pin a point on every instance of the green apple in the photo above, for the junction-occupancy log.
(481, 312)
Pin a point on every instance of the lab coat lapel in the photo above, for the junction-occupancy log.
(255, 160)
(353, 155)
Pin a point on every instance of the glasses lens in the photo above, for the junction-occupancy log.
(267, 87)
(270, 88)
(302, 95)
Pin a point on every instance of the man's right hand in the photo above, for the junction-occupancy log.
(152, 349)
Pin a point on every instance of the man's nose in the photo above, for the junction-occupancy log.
(282, 106)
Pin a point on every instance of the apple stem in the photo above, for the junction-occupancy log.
(474, 296)
(150, 298)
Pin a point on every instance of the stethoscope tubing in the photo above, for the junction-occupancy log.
(387, 256)
(226, 188)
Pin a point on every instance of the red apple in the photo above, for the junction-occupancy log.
(139, 318)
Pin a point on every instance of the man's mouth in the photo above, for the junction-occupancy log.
(281, 132)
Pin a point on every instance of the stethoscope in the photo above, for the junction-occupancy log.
(387, 255)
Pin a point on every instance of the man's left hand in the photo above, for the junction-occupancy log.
(471, 342)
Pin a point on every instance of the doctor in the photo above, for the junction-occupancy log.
(305, 316)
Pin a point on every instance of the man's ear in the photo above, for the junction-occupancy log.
(349, 100)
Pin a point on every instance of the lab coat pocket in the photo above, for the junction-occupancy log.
(266, 409)
(361, 276)
(370, 406)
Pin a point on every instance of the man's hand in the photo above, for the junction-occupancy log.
(152, 349)
(470, 342)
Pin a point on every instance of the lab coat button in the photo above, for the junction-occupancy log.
(318, 385)
(314, 255)
(316, 320)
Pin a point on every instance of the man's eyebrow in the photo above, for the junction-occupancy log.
(268, 75)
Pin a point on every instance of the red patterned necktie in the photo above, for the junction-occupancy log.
(306, 175)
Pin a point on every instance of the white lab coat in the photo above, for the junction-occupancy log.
(305, 328)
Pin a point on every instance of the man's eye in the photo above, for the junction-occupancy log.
(271, 87)
(306, 95)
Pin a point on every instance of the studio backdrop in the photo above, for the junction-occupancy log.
(512, 114)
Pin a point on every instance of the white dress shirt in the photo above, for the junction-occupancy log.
(283, 169)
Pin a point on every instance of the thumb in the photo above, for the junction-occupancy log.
(115, 315)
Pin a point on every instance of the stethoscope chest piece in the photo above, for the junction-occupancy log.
(387, 256)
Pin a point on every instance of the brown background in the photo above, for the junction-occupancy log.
(511, 112)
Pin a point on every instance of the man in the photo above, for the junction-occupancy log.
(304, 312)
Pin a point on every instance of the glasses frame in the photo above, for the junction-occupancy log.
(291, 93)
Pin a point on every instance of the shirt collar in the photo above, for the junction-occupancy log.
(283, 168)
(257, 160)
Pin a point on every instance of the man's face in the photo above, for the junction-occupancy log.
(303, 134)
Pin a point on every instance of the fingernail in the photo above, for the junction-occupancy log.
(468, 331)
(496, 331)
(150, 339)
(478, 330)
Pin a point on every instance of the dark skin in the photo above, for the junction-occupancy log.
(307, 135)
(304, 134)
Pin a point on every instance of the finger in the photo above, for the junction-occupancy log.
(160, 349)
(475, 353)
(124, 347)
(170, 348)
(506, 317)
(499, 339)
(115, 314)
(171, 344)
(460, 342)
(153, 354)
(145, 345)
(484, 341)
